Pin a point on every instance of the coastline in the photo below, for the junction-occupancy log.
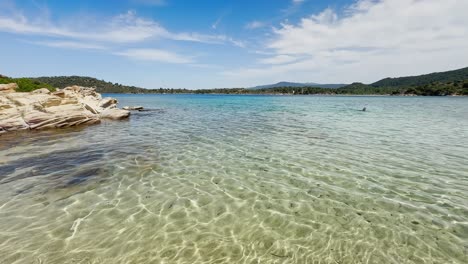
(287, 94)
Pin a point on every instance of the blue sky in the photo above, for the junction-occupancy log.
(236, 43)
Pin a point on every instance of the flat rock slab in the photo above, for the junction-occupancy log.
(133, 108)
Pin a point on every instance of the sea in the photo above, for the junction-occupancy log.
(243, 179)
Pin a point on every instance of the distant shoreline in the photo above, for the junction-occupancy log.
(274, 94)
(449, 83)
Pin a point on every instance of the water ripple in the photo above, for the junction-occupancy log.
(243, 179)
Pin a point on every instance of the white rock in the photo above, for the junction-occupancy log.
(70, 106)
(115, 114)
(133, 108)
(41, 91)
(8, 88)
(59, 93)
(108, 103)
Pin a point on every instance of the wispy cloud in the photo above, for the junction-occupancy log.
(278, 59)
(216, 23)
(123, 28)
(69, 45)
(209, 39)
(296, 2)
(255, 24)
(293, 7)
(237, 43)
(220, 18)
(155, 55)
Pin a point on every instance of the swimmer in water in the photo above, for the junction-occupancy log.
(364, 109)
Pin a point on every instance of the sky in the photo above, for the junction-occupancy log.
(232, 43)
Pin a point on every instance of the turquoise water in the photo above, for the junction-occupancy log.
(243, 179)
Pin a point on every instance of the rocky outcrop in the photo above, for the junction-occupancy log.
(40, 109)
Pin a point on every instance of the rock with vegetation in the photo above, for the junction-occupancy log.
(25, 84)
(8, 87)
(41, 108)
(101, 85)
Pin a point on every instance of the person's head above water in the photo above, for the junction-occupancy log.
(364, 109)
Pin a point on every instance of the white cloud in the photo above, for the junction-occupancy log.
(123, 28)
(298, 1)
(388, 24)
(255, 24)
(69, 45)
(156, 55)
(367, 41)
(279, 59)
(237, 43)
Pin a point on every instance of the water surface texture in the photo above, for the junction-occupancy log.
(243, 179)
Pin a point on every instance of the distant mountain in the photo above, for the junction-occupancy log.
(442, 77)
(293, 84)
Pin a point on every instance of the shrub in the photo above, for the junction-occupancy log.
(26, 85)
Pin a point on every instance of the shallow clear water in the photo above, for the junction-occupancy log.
(243, 179)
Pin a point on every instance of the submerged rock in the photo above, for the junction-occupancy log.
(40, 109)
(135, 108)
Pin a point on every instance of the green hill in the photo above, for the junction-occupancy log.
(101, 85)
(433, 84)
(363, 89)
(294, 84)
(438, 77)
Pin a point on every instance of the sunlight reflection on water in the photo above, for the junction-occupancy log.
(243, 179)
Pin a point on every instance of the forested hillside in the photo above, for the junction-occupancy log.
(101, 85)
(438, 77)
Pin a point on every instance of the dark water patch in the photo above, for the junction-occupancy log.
(25, 189)
(147, 113)
(6, 170)
(63, 159)
(70, 178)
(50, 163)
(24, 137)
(82, 176)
